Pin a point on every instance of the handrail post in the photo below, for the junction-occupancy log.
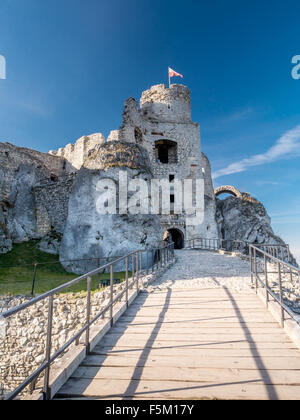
(266, 280)
(88, 314)
(281, 295)
(111, 294)
(99, 275)
(132, 266)
(152, 261)
(288, 252)
(147, 262)
(47, 389)
(251, 264)
(137, 271)
(126, 280)
(34, 279)
(255, 271)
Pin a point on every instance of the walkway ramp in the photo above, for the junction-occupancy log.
(193, 336)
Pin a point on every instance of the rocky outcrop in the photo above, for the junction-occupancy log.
(90, 234)
(247, 221)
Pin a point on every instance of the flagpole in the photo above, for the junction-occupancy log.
(169, 78)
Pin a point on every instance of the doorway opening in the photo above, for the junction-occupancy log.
(177, 237)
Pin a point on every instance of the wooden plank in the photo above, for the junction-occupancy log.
(234, 328)
(186, 313)
(208, 336)
(197, 352)
(275, 377)
(178, 390)
(155, 361)
(177, 325)
(238, 344)
(196, 318)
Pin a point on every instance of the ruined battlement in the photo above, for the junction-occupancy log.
(76, 153)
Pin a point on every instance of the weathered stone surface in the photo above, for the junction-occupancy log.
(52, 200)
(89, 234)
(243, 220)
(209, 228)
(76, 153)
(51, 242)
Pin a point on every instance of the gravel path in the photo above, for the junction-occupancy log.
(203, 269)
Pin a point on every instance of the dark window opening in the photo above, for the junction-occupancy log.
(166, 151)
(171, 178)
(172, 198)
(163, 154)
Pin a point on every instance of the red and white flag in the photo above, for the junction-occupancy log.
(173, 73)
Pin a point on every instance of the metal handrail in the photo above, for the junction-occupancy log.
(256, 256)
(160, 256)
(212, 243)
(221, 244)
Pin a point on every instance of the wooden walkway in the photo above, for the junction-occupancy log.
(191, 344)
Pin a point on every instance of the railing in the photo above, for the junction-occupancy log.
(281, 251)
(215, 244)
(153, 259)
(267, 270)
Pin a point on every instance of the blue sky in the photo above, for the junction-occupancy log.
(72, 63)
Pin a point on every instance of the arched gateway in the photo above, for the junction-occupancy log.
(177, 237)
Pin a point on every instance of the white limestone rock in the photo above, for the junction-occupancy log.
(89, 234)
(243, 220)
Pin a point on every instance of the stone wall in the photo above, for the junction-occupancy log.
(52, 201)
(75, 154)
(23, 336)
(20, 170)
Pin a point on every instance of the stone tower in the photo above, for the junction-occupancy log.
(162, 124)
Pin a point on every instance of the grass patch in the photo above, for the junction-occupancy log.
(17, 280)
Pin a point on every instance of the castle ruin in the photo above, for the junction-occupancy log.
(52, 197)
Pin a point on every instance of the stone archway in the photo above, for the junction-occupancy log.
(177, 237)
(228, 189)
